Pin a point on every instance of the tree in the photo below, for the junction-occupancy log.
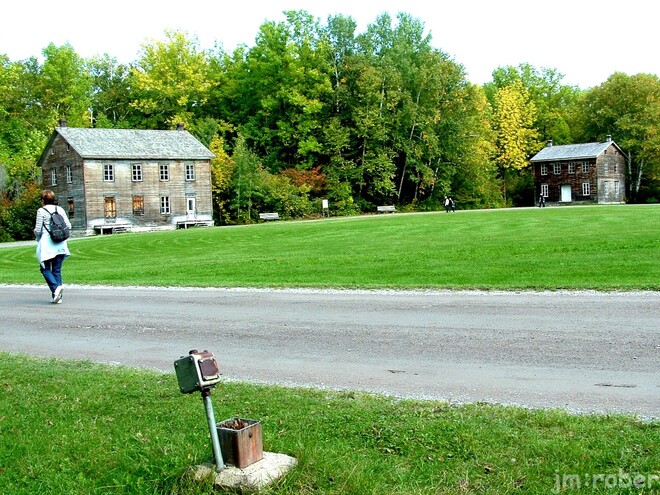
(170, 81)
(111, 96)
(628, 109)
(516, 138)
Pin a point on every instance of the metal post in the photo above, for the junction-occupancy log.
(215, 441)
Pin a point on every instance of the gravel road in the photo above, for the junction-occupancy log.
(580, 351)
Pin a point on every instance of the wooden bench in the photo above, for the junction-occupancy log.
(193, 223)
(112, 229)
(386, 209)
(269, 216)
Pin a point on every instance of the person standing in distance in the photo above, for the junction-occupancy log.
(50, 254)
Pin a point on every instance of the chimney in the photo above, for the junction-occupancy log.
(550, 143)
(62, 122)
(609, 138)
(179, 127)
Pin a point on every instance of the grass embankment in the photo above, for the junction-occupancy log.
(82, 428)
(600, 247)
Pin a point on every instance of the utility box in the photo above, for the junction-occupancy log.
(197, 371)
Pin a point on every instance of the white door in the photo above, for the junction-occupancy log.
(190, 208)
(566, 193)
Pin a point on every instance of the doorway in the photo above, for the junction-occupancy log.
(566, 196)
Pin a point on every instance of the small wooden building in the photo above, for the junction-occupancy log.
(112, 180)
(580, 173)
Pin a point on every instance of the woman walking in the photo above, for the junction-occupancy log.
(50, 254)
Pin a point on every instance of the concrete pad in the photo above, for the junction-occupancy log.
(253, 477)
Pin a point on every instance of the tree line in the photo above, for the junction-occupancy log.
(316, 110)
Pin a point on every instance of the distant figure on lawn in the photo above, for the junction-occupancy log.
(541, 201)
(452, 205)
(447, 204)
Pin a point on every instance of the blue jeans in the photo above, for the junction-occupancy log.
(52, 272)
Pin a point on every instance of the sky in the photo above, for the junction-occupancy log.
(585, 40)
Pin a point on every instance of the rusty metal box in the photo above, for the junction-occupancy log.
(240, 441)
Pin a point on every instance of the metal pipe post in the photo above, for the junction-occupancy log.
(215, 441)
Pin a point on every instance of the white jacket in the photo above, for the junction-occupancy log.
(46, 248)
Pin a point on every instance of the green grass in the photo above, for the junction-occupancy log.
(599, 247)
(82, 428)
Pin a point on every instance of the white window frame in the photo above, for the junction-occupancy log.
(190, 171)
(586, 189)
(544, 190)
(556, 169)
(53, 177)
(164, 172)
(136, 172)
(616, 187)
(108, 172)
(571, 168)
(544, 169)
(165, 208)
(585, 168)
(69, 174)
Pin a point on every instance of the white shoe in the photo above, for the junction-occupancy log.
(57, 296)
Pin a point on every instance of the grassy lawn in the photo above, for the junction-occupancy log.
(70, 427)
(81, 428)
(598, 247)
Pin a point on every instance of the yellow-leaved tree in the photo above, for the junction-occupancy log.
(222, 168)
(516, 138)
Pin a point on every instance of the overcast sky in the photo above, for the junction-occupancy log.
(586, 40)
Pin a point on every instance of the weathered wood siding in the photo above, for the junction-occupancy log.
(70, 195)
(611, 169)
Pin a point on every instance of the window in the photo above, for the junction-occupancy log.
(53, 177)
(110, 207)
(71, 212)
(138, 205)
(616, 187)
(586, 190)
(571, 168)
(164, 172)
(164, 205)
(137, 172)
(585, 167)
(108, 173)
(544, 169)
(69, 174)
(190, 171)
(556, 168)
(606, 168)
(616, 168)
(544, 190)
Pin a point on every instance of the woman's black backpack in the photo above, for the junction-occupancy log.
(58, 229)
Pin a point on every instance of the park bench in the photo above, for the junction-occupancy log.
(112, 228)
(386, 209)
(269, 216)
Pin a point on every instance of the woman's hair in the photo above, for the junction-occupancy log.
(48, 197)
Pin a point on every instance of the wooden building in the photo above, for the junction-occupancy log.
(112, 180)
(580, 173)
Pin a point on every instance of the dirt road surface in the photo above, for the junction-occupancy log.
(579, 351)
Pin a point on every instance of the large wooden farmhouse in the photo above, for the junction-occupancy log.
(112, 180)
(580, 173)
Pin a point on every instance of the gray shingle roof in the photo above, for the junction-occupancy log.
(571, 151)
(134, 144)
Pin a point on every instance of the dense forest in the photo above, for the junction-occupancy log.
(316, 110)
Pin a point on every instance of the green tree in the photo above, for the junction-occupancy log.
(170, 81)
(111, 94)
(628, 109)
